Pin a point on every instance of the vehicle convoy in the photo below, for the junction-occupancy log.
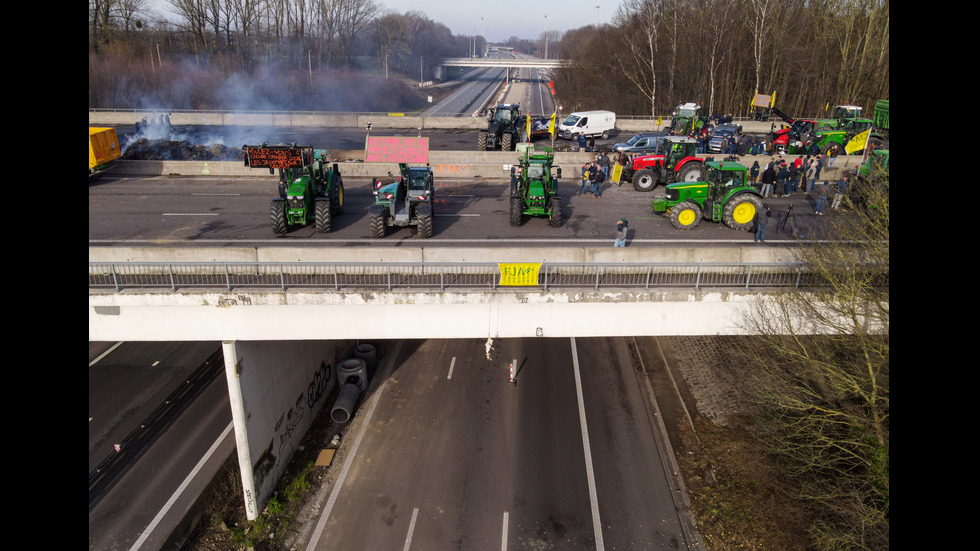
(689, 118)
(724, 195)
(507, 125)
(589, 124)
(403, 200)
(677, 161)
(309, 190)
(534, 189)
(103, 150)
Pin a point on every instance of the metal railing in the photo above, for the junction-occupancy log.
(444, 276)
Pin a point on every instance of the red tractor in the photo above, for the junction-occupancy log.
(675, 162)
(792, 140)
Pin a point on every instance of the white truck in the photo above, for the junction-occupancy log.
(588, 123)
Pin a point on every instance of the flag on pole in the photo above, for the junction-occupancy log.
(551, 126)
(528, 128)
(858, 142)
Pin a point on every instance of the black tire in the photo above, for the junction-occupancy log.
(507, 142)
(644, 180)
(324, 216)
(685, 215)
(555, 218)
(516, 218)
(739, 212)
(481, 142)
(377, 225)
(424, 226)
(692, 171)
(605, 134)
(337, 198)
(277, 214)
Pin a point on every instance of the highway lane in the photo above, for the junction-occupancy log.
(191, 210)
(456, 457)
(144, 505)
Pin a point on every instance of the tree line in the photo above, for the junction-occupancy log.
(655, 54)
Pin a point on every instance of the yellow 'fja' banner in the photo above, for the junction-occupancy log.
(858, 142)
(519, 273)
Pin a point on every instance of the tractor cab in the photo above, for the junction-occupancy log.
(676, 149)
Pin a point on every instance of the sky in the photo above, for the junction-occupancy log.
(501, 19)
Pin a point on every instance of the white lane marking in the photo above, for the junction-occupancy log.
(596, 524)
(156, 363)
(190, 214)
(339, 483)
(104, 354)
(183, 486)
(503, 537)
(451, 364)
(411, 529)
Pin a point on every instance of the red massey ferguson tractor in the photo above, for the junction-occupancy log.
(675, 162)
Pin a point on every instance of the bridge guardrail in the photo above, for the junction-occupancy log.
(443, 276)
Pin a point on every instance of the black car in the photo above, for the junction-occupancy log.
(643, 144)
(721, 137)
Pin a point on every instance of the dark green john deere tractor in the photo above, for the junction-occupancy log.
(309, 189)
(404, 200)
(534, 189)
(724, 195)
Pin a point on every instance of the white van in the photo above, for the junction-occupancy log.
(588, 123)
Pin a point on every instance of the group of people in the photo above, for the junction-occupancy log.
(781, 178)
(594, 173)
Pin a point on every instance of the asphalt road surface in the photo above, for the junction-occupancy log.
(454, 456)
(235, 210)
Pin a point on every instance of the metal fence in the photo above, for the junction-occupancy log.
(444, 276)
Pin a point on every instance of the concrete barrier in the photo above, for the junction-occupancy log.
(435, 255)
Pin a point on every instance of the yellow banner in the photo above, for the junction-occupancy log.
(617, 172)
(858, 143)
(519, 273)
(529, 128)
(551, 126)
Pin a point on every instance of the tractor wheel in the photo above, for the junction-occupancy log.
(833, 146)
(324, 216)
(337, 199)
(740, 211)
(690, 172)
(481, 142)
(507, 142)
(377, 225)
(516, 217)
(685, 215)
(277, 212)
(424, 227)
(644, 180)
(555, 207)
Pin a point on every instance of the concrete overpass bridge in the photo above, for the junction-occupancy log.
(284, 293)
(504, 62)
(288, 317)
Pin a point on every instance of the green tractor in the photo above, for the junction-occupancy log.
(724, 195)
(309, 190)
(404, 200)
(534, 189)
(689, 118)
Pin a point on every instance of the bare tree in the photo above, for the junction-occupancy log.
(822, 380)
(640, 21)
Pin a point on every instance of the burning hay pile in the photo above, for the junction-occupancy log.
(168, 150)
